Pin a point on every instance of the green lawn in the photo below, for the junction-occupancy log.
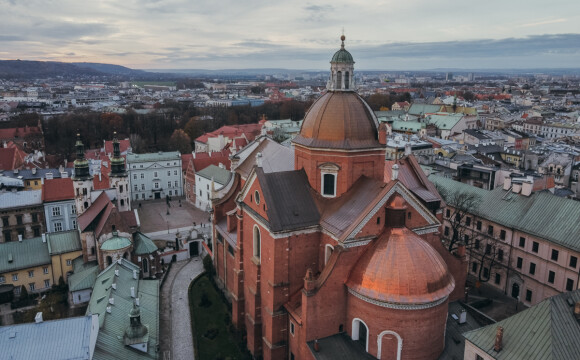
(211, 323)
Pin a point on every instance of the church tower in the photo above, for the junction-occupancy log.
(338, 142)
(82, 180)
(118, 177)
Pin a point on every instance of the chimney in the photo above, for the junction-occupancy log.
(137, 301)
(462, 316)
(517, 188)
(33, 171)
(498, 339)
(38, 317)
(395, 172)
(132, 291)
(461, 250)
(259, 159)
(114, 286)
(507, 183)
(316, 346)
(112, 300)
(43, 238)
(577, 310)
(135, 274)
(408, 149)
(108, 309)
(19, 237)
(527, 187)
(309, 281)
(116, 272)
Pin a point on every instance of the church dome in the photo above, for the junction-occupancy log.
(339, 120)
(401, 268)
(342, 56)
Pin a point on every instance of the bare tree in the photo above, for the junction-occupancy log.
(460, 209)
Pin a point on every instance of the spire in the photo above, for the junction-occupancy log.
(136, 334)
(81, 164)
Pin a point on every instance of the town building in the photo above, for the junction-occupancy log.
(128, 313)
(519, 239)
(71, 338)
(210, 179)
(289, 237)
(60, 210)
(197, 162)
(548, 330)
(233, 136)
(155, 175)
(22, 215)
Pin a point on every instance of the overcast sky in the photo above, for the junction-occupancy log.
(227, 34)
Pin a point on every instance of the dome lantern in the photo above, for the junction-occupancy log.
(341, 70)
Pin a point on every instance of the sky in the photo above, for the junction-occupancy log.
(242, 34)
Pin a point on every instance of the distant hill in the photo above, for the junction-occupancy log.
(25, 69)
(110, 69)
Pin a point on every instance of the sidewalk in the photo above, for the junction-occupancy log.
(175, 318)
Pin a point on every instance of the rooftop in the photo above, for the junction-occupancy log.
(154, 157)
(23, 254)
(50, 340)
(19, 199)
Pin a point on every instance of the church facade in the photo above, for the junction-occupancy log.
(337, 252)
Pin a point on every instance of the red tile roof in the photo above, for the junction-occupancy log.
(101, 182)
(203, 160)
(58, 190)
(124, 145)
(11, 157)
(250, 131)
(8, 134)
(86, 218)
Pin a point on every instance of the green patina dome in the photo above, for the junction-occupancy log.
(342, 56)
(116, 243)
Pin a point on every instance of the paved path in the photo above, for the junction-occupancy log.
(177, 340)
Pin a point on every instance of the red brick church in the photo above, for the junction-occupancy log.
(336, 255)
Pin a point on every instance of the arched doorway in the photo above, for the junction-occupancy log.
(515, 290)
(360, 333)
(193, 248)
(145, 264)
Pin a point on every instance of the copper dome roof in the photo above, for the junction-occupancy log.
(401, 268)
(339, 120)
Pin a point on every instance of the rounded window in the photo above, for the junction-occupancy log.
(257, 197)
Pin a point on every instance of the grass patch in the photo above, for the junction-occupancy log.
(214, 334)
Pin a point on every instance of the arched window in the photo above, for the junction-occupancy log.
(145, 265)
(360, 332)
(346, 80)
(122, 202)
(109, 260)
(392, 336)
(257, 242)
(329, 184)
(339, 80)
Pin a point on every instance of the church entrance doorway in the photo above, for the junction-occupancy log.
(157, 195)
(193, 249)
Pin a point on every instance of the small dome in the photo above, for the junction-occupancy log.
(342, 56)
(339, 120)
(401, 268)
(116, 243)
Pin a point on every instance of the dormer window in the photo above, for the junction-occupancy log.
(329, 185)
(328, 178)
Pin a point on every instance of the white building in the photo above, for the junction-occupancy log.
(207, 180)
(155, 175)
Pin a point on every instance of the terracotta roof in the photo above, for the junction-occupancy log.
(203, 160)
(101, 182)
(233, 131)
(414, 179)
(339, 120)
(392, 270)
(185, 159)
(12, 133)
(86, 218)
(58, 190)
(11, 157)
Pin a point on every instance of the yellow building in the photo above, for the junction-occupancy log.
(63, 247)
(38, 263)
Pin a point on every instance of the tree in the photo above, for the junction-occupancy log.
(460, 206)
(465, 229)
(180, 141)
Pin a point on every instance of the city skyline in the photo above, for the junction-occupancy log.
(229, 35)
